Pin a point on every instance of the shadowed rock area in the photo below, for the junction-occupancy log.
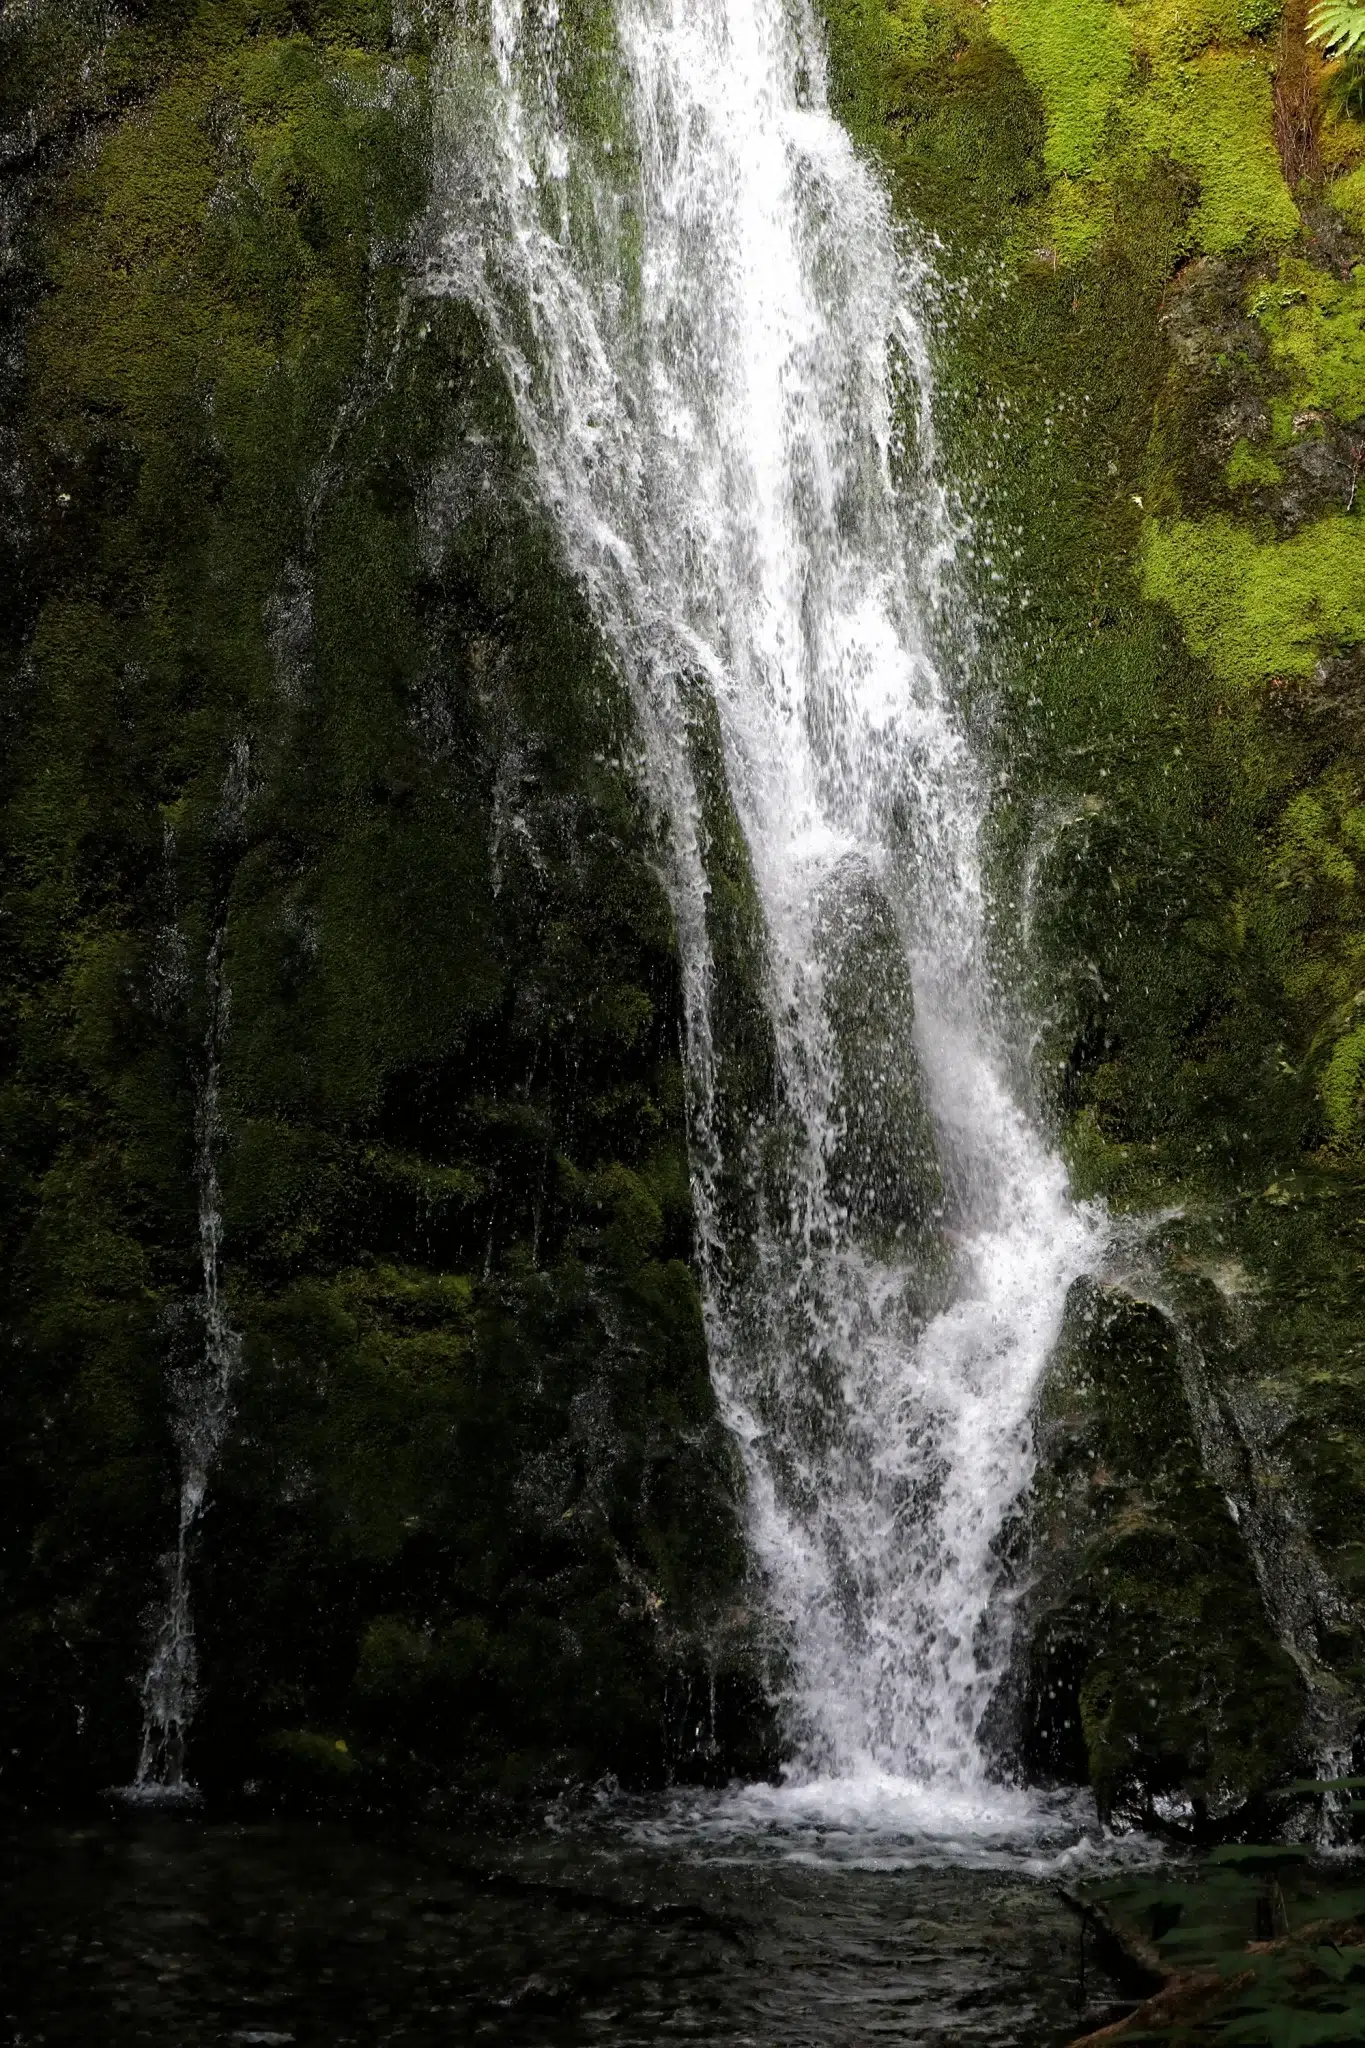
(335, 958)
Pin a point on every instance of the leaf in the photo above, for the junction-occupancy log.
(1336, 1963)
(1307, 2028)
(1346, 1904)
(1321, 1784)
(1281, 2028)
(1339, 25)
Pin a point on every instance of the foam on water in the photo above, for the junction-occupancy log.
(717, 345)
(877, 1822)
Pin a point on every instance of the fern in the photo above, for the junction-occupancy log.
(1339, 25)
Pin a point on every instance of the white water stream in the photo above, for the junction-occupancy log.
(202, 1398)
(712, 331)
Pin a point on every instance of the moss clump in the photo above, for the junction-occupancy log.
(1249, 466)
(1348, 197)
(1343, 1089)
(1315, 324)
(1260, 609)
(1213, 117)
(1128, 88)
(1078, 56)
(309, 694)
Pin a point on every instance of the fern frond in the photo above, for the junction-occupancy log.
(1339, 25)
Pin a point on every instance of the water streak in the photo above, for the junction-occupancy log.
(202, 1394)
(717, 344)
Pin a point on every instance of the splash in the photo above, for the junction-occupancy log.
(718, 348)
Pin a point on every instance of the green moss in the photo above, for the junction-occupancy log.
(1078, 219)
(1205, 109)
(1315, 323)
(1347, 194)
(1213, 117)
(1343, 1088)
(1077, 55)
(1176, 30)
(1260, 609)
(1249, 466)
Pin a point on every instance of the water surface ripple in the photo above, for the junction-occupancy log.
(170, 1929)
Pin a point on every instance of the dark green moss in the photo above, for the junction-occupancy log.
(309, 695)
(1172, 843)
(1153, 1668)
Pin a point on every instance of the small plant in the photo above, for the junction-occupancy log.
(1257, 1946)
(1339, 25)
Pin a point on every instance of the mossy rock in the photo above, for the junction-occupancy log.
(310, 711)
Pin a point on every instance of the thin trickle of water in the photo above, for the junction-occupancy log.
(717, 347)
(202, 1396)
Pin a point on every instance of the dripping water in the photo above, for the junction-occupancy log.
(718, 347)
(202, 1395)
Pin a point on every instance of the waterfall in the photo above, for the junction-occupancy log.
(201, 1394)
(716, 341)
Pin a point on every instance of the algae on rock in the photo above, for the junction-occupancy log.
(302, 668)
(295, 661)
(1148, 396)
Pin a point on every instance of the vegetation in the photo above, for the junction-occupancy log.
(1145, 222)
(1339, 25)
(297, 683)
(300, 686)
(1259, 1944)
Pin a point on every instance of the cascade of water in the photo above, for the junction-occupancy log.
(716, 345)
(202, 1394)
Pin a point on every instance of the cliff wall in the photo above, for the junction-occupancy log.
(334, 956)
(334, 951)
(1148, 228)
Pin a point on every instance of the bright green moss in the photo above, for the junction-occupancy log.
(876, 46)
(1321, 836)
(1170, 31)
(1347, 195)
(1077, 55)
(1213, 117)
(1203, 108)
(1315, 322)
(1343, 1088)
(1310, 917)
(1249, 466)
(1079, 215)
(1259, 609)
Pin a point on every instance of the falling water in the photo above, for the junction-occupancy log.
(202, 1394)
(716, 343)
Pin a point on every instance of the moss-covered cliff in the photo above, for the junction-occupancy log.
(318, 801)
(1150, 240)
(333, 948)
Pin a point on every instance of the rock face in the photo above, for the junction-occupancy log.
(1153, 381)
(335, 964)
(339, 1011)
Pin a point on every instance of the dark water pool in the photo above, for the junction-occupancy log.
(175, 1929)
